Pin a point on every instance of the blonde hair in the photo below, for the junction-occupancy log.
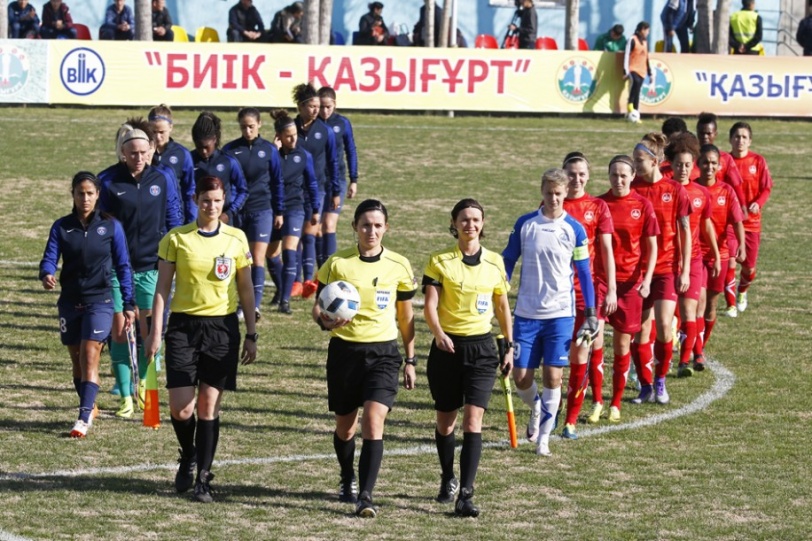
(555, 176)
(655, 143)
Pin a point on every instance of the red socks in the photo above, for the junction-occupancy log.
(575, 392)
(699, 345)
(644, 363)
(730, 287)
(689, 329)
(746, 279)
(663, 353)
(620, 371)
(709, 323)
(596, 375)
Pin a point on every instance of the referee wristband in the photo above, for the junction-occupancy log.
(411, 361)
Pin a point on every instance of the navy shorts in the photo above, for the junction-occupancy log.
(320, 196)
(537, 339)
(79, 322)
(292, 227)
(257, 225)
(361, 371)
(465, 376)
(202, 349)
(327, 205)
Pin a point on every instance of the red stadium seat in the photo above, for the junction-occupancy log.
(83, 32)
(485, 41)
(582, 45)
(546, 43)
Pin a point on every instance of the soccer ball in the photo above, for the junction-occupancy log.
(633, 116)
(339, 300)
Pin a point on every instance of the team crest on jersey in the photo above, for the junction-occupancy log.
(636, 214)
(317, 135)
(261, 153)
(336, 129)
(753, 169)
(697, 202)
(483, 302)
(666, 198)
(173, 160)
(576, 79)
(222, 267)
(297, 159)
(101, 230)
(220, 167)
(589, 216)
(382, 298)
(155, 191)
(721, 200)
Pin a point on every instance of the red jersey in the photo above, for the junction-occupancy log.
(634, 220)
(700, 211)
(725, 210)
(670, 202)
(729, 173)
(593, 214)
(756, 185)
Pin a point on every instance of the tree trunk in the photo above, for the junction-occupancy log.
(3, 19)
(143, 20)
(445, 29)
(430, 23)
(571, 26)
(311, 22)
(704, 23)
(325, 21)
(721, 28)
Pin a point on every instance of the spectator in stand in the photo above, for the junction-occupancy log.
(161, 22)
(528, 24)
(22, 20)
(245, 23)
(286, 26)
(745, 30)
(804, 34)
(119, 22)
(678, 18)
(612, 41)
(419, 35)
(371, 28)
(56, 21)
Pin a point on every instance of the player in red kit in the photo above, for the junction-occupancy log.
(634, 243)
(672, 272)
(594, 215)
(756, 185)
(682, 151)
(725, 214)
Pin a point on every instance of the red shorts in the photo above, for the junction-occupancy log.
(600, 297)
(715, 285)
(629, 314)
(663, 288)
(752, 241)
(697, 280)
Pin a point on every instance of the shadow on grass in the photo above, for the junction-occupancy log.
(28, 303)
(43, 328)
(24, 347)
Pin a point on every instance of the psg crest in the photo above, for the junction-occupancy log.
(222, 267)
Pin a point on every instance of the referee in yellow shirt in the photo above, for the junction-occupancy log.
(464, 286)
(363, 360)
(211, 264)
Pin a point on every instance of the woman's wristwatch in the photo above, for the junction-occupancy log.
(411, 360)
(252, 337)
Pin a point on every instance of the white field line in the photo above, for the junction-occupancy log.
(5, 536)
(721, 386)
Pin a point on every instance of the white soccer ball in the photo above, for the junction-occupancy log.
(339, 300)
(633, 116)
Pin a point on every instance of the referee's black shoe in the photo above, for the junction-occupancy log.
(465, 505)
(203, 487)
(348, 490)
(185, 477)
(448, 489)
(284, 308)
(364, 507)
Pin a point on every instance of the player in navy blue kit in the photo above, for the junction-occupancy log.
(550, 243)
(318, 139)
(91, 244)
(210, 161)
(177, 157)
(144, 199)
(301, 190)
(259, 159)
(345, 147)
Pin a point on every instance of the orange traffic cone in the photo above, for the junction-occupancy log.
(152, 413)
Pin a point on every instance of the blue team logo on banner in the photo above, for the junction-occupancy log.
(576, 79)
(82, 71)
(14, 69)
(657, 88)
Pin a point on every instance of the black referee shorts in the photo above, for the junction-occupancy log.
(465, 376)
(361, 371)
(202, 349)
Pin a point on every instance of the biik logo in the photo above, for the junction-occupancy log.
(82, 71)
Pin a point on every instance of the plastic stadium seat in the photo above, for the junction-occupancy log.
(485, 41)
(546, 43)
(582, 45)
(659, 46)
(180, 33)
(83, 32)
(207, 34)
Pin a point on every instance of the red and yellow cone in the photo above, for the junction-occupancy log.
(152, 413)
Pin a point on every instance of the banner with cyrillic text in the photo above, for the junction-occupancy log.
(393, 78)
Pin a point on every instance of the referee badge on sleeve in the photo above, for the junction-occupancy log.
(222, 267)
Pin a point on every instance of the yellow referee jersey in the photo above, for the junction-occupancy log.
(205, 268)
(379, 283)
(465, 307)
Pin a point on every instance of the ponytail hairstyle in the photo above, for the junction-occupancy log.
(160, 112)
(248, 111)
(82, 176)
(207, 184)
(574, 157)
(653, 143)
(369, 205)
(463, 204)
(622, 158)
(207, 126)
(281, 120)
(304, 92)
(327, 92)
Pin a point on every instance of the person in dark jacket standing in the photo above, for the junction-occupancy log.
(177, 157)
(371, 28)
(804, 34)
(528, 24)
(91, 244)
